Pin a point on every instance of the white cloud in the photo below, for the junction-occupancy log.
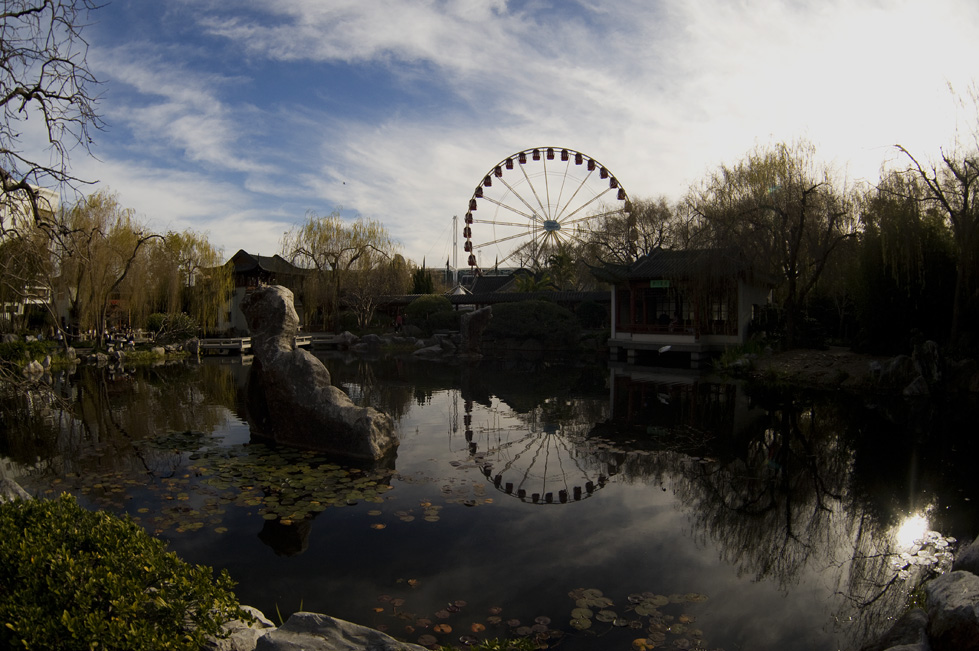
(659, 92)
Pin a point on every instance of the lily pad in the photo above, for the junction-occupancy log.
(605, 615)
(581, 623)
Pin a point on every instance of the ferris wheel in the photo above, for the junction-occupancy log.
(531, 203)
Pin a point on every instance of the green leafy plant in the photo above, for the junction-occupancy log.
(551, 324)
(171, 327)
(78, 579)
(431, 312)
(22, 352)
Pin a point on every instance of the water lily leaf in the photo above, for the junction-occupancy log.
(543, 620)
(592, 593)
(443, 614)
(581, 623)
(427, 640)
(513, 623)
(494, 619)
(477, 627)
(606, 616)
(398, 602)
(696, 598)
(496, 610)
(378, 526)
(582, 613)
(442, 628)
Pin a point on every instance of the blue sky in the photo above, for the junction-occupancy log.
(236, 118)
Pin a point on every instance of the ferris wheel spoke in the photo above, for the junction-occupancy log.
(502, 239)
(499, 223)
(588, 203)
(574, 194)
(532, 216)
(522, 200)
(551, 200)
(564, 180)
(533, 189)
(587, 218)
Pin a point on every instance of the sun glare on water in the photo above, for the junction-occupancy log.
(913, 528)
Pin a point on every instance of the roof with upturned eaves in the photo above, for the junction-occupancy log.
(245, 262)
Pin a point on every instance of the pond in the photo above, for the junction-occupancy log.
(584, 506)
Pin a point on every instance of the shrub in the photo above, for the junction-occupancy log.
(22, 351)
(420, 309)
(175, 326)
(78, 579)
(592, 314)
(431, 312)
(551, 324)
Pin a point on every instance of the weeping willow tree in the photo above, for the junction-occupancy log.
(345, 258)
(783, 213)
(99, 245)
(187, 276)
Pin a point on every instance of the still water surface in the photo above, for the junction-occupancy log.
(585, 506)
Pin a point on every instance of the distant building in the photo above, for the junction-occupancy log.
(251, 271)
(16, 216)
(694, 301)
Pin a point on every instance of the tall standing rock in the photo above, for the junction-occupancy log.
(290, 397)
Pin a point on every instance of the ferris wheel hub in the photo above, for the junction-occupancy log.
(551, 225)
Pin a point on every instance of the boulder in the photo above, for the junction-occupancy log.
(290, 397)
(928, 361)
(471, 327)
(33, 369)
(967, 558)
(315, 632)
(11, 490)
(953, 612)
(917, 387)
(9, 338)
(242, 635)
(193, 346)
(159, 351)
(898, 372)
(909, 632)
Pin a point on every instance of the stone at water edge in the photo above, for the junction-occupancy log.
(315, 632)
(291, 398)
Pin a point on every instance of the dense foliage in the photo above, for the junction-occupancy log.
(171, 327)
(20, 351)
(546, 322)
(78, 579)
(432, 312)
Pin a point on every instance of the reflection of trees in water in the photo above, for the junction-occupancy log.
(101, 412)
(778, 499)
(358, 378)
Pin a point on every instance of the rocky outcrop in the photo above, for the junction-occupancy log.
(315, 632)
(291, 399)
(11, 490)
(950, 620)
(471, 326)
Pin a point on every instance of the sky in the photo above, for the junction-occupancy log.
(238, 119)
